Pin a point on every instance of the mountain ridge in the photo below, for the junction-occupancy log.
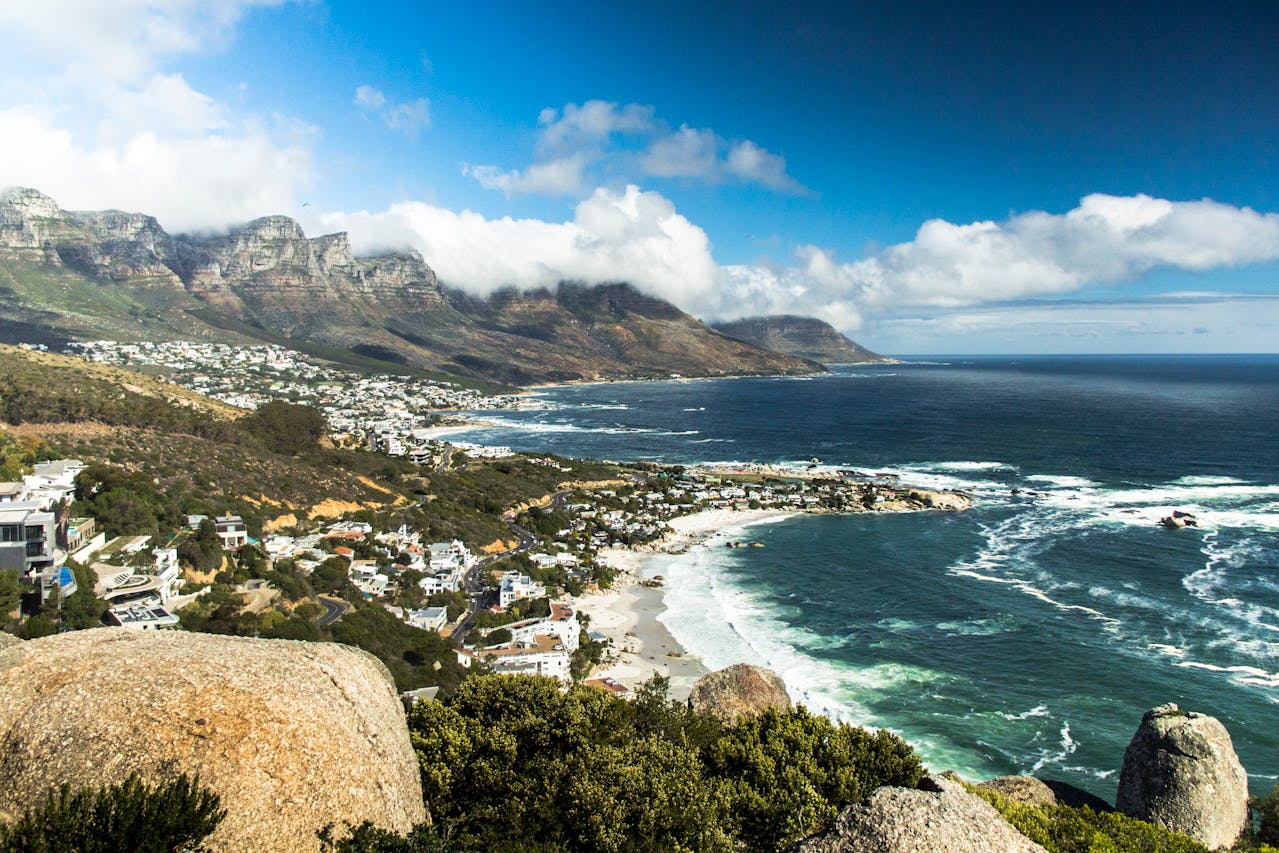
(804, 337)
(115, 273)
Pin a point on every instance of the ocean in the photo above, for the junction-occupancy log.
(1029, 634)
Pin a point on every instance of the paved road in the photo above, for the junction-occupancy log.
(333, 609)
(478, 596)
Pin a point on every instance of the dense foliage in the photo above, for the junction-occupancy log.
(130, 816)
(285, 427)
(1066, 829)
(513, 763)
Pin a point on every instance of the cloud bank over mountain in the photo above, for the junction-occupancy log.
(639, 236)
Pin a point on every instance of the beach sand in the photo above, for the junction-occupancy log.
(628, 612)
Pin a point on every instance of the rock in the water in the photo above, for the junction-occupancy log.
(942, 818)
(1181, 772)
(1022, 789)
(740, 690)
(291, 735)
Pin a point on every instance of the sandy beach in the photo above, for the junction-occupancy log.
(628, 612)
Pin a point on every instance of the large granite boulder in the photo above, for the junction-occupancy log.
(292, 736)
(737, 691)
(8, 640)
(941, 817)
(1181, 772)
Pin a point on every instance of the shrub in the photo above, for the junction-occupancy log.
(1067, 829)
(130, 816)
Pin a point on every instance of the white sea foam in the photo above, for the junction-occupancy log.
(1168, 650)
(1037, 711)
(1068, 746)
(964, 466)
(723, 622)
(1062, 481)
(1240, 673)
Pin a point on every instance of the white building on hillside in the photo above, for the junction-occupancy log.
(516, 586)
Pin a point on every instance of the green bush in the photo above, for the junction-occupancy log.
(513, 763)
(1066, 829)
(130, 816)
(1267, 808)
(788, 773)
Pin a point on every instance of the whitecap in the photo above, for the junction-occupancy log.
(1068, 746)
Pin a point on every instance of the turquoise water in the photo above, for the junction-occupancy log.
(1030, 633)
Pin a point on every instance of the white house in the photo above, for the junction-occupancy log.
(544, 656)
(561, 625)
(429, 618)
(516, 586)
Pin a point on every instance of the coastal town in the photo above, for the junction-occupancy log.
(549, 600)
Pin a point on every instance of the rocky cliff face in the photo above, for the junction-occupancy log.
(292, 736)
(270, 275)
(805, 337)
(1181, 772)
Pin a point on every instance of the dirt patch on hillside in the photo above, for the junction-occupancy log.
(333, 508)
(281, 522)
(497, 546)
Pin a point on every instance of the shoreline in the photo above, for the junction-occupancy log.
(629, 612)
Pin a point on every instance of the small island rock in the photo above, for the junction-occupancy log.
(292, 736)
(737, 691)
(940, 817)
(1181, 772)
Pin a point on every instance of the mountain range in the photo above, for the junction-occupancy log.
(68, 275)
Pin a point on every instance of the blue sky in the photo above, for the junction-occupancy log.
(930, 177)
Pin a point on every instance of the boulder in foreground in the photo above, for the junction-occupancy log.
(292, 736)
(1181, 772)
(740, 690)
(941, 817)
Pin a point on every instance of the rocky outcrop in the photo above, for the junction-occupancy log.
(292, 736)
(1181, 772)
(7, 640)
(940, 817)
(1022, 789)
(738, 691)
(805, 337)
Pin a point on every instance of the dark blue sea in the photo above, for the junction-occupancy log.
(1030, 633)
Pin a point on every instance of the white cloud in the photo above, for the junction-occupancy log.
(107, 126)
(188, 181)
(588, 125)
(555, 177)
(119, 39)
(408, 117)
(751, 163)
(931, 282)
(1106, 239)
(686, 153)
(368, 98)
(630, 236)
(629, 140)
